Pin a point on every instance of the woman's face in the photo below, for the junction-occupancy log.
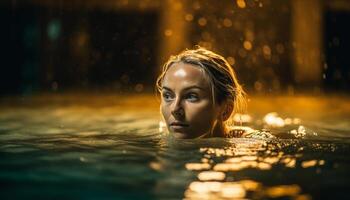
(187, 102)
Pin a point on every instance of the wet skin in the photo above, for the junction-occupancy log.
(187, 103)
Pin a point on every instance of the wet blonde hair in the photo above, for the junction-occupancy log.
(224, 83)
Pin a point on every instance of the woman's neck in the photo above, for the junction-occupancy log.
(217, 131)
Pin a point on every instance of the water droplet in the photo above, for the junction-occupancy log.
(227, 22)
(139, 87)
(168, 32)
(231, 60)
(247, 45)
(189, 17)
(241, 3)
(266, 50)
(258, 86)
(202, 21)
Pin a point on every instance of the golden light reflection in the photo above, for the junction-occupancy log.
(302, 197)
(258, 86)
(189, 17)
(168, 32)
(299, 133)
(227, 22)
(309, 163)
(240, 190)
(242, 118)
(264, 166)
(288, 121)
(197, 166)
(156, 166)
(241, 3)
(242, 158)
(233, 191)
(202, 21)
(273, 120)
(203, 187)
(211, 176)
(321, 162)
(247, 45)
(296, 121)
(214, 181)
(231, 60)
(283, 190)
(234, 167)
(211, 190)
(162, 126)
(250, 185)
(266, 50)
(249, 35)
(289, 162)
(271, 160)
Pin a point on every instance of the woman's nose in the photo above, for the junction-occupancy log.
(178, 110)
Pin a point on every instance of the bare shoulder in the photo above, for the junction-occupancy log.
(247, 132)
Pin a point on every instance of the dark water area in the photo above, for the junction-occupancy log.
(110, 147)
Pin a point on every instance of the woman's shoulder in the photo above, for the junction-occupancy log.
(247, 132)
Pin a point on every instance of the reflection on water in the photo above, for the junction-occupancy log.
(102, 147)
(240, 190)
(244, 155)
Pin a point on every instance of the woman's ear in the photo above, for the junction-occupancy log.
(227, 111)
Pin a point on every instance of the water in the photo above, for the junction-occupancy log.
(109, 147)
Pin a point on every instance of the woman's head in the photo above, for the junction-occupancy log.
(199, 92)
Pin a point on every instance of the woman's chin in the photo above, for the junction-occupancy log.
(179, 135)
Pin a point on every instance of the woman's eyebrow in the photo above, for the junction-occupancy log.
(193, 87)
(186, 88)
(166, 88)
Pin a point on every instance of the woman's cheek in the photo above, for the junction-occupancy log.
(164, 111)
(161, 109)
(200, 113)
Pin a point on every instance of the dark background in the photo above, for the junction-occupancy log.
(51, 48)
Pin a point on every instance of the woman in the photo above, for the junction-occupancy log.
(199, 94)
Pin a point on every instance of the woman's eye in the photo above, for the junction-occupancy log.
(192, 97)
(167, 96)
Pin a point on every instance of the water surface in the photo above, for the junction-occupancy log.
(110, 147)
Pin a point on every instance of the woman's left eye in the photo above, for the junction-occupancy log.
(192, 97)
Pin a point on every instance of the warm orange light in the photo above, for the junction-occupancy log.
(241, 3)
(227, 22)
(247, 45)
(211, 175)
(202, 21)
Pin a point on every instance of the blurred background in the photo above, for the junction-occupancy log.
(116, 46)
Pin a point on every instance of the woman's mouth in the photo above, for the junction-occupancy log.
(178, 126)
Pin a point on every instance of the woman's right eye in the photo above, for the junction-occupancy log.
(167, 96)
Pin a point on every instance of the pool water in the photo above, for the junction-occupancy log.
(111, 147)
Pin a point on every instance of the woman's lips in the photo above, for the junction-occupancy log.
(178, 126)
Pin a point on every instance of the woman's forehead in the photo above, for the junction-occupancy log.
(185, 74)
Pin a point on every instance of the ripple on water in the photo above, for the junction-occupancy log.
(88, 148)
(16, 148)
(219, 166)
